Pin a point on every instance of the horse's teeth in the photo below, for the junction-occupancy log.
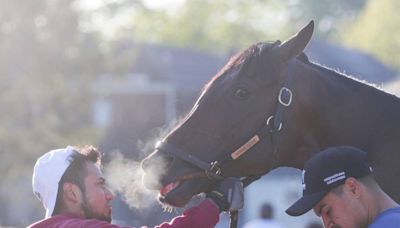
(169, 188)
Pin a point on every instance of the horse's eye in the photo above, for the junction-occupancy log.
(241, 93)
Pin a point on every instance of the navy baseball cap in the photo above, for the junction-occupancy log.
(325, 171)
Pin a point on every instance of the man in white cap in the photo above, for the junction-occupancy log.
(71, 186)
(338, 185)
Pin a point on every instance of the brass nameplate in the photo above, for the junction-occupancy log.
(249, 144)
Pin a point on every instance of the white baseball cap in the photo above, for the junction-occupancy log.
(47, 173)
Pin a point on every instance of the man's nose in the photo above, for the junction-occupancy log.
(109, 195)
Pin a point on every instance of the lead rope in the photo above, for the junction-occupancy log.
(234, 219)
(234, 215)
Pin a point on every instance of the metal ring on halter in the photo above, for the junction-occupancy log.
(272, 117)
(281, 91)
(214, 172)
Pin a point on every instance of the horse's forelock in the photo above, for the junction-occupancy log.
(239, 59)
(234, 62)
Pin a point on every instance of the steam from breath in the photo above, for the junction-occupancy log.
(124, 177)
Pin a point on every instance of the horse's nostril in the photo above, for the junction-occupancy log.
(155, 168)
(157, 160)
(144, 164)
(147, 163)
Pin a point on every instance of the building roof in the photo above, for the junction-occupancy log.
(191, 69)
(349, 61)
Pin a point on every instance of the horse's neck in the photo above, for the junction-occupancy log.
(344, 111)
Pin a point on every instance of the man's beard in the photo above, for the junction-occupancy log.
(90, 214)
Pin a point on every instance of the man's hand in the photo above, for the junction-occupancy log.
(228, 194)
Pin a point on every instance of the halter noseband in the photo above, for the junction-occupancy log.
(272, 126)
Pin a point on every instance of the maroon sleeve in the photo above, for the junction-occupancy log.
(205, 215)
(64, 221)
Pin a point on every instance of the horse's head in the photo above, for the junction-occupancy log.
(236, 122)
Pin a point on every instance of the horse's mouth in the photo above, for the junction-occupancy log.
(179, 193)
(169, 187)
(176, 194)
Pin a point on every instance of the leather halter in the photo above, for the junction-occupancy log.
(271, 128)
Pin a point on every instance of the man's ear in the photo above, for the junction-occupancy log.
(72, 193)
(353, 187)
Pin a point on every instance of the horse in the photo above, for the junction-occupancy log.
(269, 107)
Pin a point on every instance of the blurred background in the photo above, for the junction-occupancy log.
(117, 73)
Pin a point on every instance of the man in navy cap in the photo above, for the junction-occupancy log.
(338, 185)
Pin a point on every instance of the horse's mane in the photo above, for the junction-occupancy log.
(330, 72)
(239, 60)
(334, 73)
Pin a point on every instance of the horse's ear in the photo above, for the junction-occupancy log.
(295, 45)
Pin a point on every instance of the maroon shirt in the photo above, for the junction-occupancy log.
(205, 215)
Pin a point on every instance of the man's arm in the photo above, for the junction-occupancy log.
(205, 215)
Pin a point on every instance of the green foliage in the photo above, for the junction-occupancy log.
(213, 26)
(327, 14)
(220, 26)
(377, 31)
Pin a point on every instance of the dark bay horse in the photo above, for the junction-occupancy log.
(270, 107)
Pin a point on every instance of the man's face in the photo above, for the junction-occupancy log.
(96, 202)
(341, 210)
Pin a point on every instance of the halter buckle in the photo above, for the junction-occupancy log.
(214, 172)
(285, 96)
(275, 128)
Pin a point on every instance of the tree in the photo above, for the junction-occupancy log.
(214, 26)
(377, 31)
(327, 14)
(45, 69)
(220, 26)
